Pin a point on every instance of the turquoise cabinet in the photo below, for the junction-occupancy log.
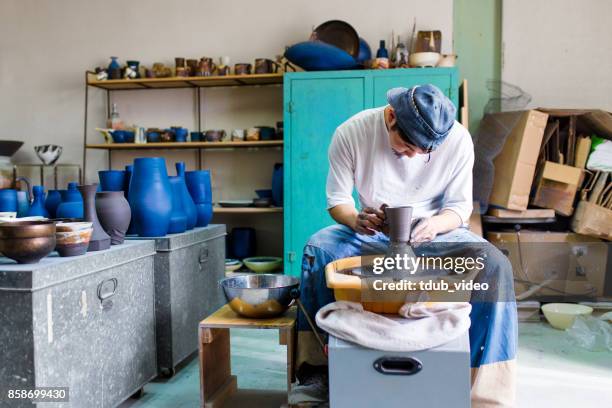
(315, 103)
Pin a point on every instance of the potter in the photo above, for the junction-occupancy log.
(410, 153)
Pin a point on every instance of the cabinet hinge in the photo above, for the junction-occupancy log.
(290, 107)
(291, 256)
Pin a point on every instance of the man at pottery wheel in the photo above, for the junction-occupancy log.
(411, 152)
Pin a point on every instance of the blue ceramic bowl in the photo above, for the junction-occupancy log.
(129, 136)
(153, 137)
(267, 193)
(118, 136)
(320, 56)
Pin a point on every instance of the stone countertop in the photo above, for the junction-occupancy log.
(53, 269)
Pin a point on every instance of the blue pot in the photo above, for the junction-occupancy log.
(242, 243)
(114, 64)
(112, 180)
(38, 205)
(52, 202)
(150, 197)
(8, 200)
(72, 203)
(199, 186)
(188, 205)
(180, 134)
(320, 56)
(178, 218)
(23, 204)
(277, 185)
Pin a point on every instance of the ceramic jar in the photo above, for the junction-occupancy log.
(200, 189)
(129, 169)
(150, 197)
(38, 205)
(72, 203)
(114, 214)
(112, 180)
(178, 218)
(8, 200)
(23, 203)
(52, 201)
(188, 205)
(100, 240)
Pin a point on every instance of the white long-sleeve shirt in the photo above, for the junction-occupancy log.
(361, 157)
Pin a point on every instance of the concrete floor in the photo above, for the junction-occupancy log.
(552, 373)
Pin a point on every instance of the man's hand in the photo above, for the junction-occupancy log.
(426, 230)
(369, 221)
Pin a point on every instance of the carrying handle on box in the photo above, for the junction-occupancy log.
(398, 365)
(203, 257)
(109, 293)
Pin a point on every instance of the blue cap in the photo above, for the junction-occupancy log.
(424, 114)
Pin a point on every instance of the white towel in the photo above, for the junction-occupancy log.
(426, 325)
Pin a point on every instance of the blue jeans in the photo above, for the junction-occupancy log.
(493, 330)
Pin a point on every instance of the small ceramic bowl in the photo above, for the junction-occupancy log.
(48, 154)
(424, 59)
(27, 241)
(562, 315)
(72, 226)
(266, 193)
(262, 202)
(263, 264)
(232, 265)
(73, 243)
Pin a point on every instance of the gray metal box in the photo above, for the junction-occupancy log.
(87, 323)
(188, 267)
(361, 377)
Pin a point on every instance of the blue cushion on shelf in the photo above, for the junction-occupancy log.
(319, 56)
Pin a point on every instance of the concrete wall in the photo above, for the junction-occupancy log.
(559, 51)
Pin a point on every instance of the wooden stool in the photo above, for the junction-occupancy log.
(216, 380)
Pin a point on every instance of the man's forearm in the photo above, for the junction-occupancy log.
(345, 214)
(447, 220)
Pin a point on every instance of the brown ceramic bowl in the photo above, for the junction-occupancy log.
(73, 243)
(27, 241)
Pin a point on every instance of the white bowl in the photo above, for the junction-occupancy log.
(424, 59)
(562, 315)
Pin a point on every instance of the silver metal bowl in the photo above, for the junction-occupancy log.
(259, 296)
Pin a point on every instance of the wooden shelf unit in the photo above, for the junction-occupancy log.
(247, 210)
(186, 145)
(185, 82)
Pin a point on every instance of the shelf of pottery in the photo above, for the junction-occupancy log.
(227, 120)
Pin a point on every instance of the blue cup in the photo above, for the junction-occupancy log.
(8, 200)
(153, 137)
(112, 180)
(180, 134)
(196, 136)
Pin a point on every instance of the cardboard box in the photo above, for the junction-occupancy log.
(557, 187)
(515, 165)
(592, 219)
(583, 147)
(530, 213)
(578, 261)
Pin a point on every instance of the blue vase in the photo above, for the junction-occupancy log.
(111, 180)
(188, 205)
(38, 205)
(178, 218)
(8, 200)
(150, 197)
(52, 202)
(277, 185)
(114, 64)
(199, 186)
(242, 242)
(23, 204)
(129, 169)
(72, 203)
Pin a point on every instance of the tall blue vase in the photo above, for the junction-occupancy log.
(8, 200)
(52, 202)
(178, 218)
(199, 186)
(72, 203)
(23, 204)
(129, 169)
(150, 197)
(38, 205)
(188, 205)
(111, 180)
(277, 185)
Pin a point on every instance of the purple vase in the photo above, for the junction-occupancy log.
(114, 214)
(99, 238)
